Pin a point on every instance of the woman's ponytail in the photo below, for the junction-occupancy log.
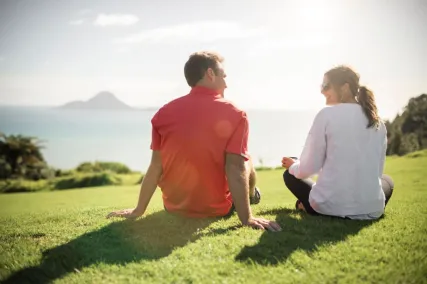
(366, 99)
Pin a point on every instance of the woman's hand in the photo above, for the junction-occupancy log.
(287, 162)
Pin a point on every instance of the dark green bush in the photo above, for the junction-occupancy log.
(64, 173)
(37, 172)
(5, 169)
(408, 131)
(417, 154)
(97, 167)
(86, 180)
(20, 185)
(409, 143)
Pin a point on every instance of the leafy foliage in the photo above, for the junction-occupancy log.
(408, 132)
(20, 185)
(21, 157)
(97, 167)
(23, 169)
(87, 180)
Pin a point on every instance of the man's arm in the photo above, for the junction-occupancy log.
(151, 178)
(238, 177)
(150, 182)
(238, 184)
(148, 186)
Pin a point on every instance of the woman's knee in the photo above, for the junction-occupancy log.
(387, 185)
(287, 178)
(387, 182)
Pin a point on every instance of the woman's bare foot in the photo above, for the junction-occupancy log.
(300, 206)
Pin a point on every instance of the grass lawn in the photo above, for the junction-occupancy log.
(64, 236)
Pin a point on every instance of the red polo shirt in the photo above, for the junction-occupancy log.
(193, 133)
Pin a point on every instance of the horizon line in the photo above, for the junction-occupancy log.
(151, 108)
(147, 107)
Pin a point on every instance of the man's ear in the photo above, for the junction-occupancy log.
(210, 72)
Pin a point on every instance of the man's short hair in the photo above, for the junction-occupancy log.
(198, 63)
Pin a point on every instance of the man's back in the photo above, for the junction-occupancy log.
(193, 133)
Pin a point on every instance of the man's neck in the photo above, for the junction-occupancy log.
(209, 88)
(204, 85)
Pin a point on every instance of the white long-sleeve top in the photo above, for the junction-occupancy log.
(349, 160)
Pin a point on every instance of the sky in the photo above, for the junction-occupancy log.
(276, 52)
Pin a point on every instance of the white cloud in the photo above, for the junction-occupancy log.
(76, 22)
(202, 31)
(104, 20)
(2, 58)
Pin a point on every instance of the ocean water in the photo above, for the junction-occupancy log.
(74, 136)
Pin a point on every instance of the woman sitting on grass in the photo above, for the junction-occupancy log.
(346, 147)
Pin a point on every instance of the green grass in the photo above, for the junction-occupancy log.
(64, 236)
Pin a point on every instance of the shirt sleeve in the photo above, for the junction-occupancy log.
(314, 151)
(238, 143)
(156, 139)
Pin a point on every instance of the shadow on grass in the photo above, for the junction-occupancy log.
(301, 233)
(120, 242)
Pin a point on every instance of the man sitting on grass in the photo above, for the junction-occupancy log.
(200, 154)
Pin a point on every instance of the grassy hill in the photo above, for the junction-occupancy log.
(64, 236)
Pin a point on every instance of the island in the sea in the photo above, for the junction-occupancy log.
(102, 101)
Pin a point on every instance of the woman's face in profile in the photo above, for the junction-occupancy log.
(328, 91)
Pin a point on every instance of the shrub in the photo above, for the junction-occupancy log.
(5, 169)
(63, 173)
(85, 167)
(21, 157)
(130, 179)
(20, 185)
(409, 144)
(40, 171)
(97, 167)
(417, 154)
(86, 180)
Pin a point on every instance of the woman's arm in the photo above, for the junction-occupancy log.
(314, 152)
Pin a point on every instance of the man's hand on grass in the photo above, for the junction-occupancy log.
(148, 186)
(263, 224)
(131, 213)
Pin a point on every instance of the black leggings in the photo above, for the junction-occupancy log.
(301, 189)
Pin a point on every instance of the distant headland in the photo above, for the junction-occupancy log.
(102, 101)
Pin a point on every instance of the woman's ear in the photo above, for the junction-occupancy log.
(345, 89)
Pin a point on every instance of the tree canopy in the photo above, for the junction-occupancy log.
(408, 131)
(21, 156)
